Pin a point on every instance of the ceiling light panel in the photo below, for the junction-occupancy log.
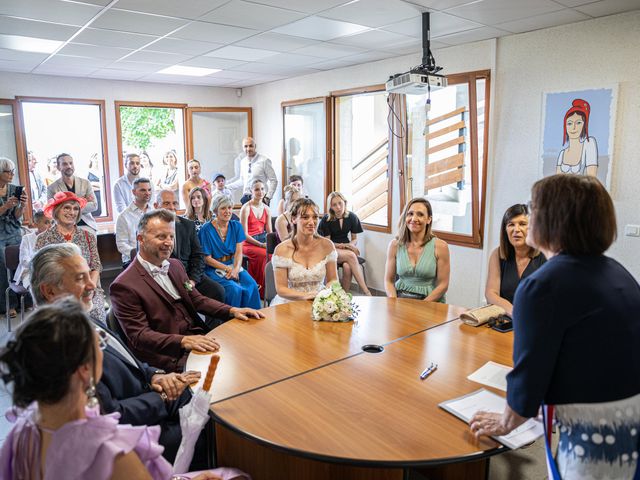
(318, 28)
(29, 44)
(188, 71)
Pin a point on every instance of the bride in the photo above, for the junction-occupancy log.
(303, 262)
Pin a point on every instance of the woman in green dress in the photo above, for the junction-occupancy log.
(417, 262)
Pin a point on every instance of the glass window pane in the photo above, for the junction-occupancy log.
(439, 156)
(217, 144)
(305, 144)
(8, 138)
(362, 163)
(157, 135)
(73, 128)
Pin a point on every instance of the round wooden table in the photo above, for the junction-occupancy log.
(298, 399)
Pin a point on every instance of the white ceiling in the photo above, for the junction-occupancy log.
(256, 41)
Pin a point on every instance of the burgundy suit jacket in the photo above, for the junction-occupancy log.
(150, 319)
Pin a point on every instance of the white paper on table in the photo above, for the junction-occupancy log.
(492, 374)
(483, 400)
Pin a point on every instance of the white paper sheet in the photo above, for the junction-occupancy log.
(484, 400)
(492, 374)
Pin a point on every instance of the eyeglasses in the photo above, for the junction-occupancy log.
(103, 338)
(9, 171)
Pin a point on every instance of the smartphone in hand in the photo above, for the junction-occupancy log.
(18, 191)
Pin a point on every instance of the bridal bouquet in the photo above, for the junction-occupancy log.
(333, 304)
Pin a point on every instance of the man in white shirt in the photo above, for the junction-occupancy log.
(38, 187)
(255, 166)
(123, 187)
(127, 222)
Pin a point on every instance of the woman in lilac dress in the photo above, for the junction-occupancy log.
(54, 363)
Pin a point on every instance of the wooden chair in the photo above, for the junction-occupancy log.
(12, 260)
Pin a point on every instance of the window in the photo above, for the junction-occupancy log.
(156, 132)
(10, 146)
(362, 159)
(306, 146)
(77, 127)
(446, 155)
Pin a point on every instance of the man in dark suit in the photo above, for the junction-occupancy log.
(156, 304)
(187, 249)
(143, 395)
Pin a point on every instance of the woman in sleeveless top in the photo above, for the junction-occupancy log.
(256, 221)
(284, 226)
(576, 337)
(54, 364)
(417, 257)
(304, 262)
(513, 260)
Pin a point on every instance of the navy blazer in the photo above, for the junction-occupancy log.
(187, 249)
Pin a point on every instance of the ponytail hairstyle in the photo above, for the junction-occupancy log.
(298, 208)
(48, 349)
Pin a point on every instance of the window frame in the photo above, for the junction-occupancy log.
(476, 239)
(21, 155)
(108, 218)
(335, 152)
(329, 167)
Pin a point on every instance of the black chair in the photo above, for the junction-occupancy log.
(132, 254)
(272, 243)
(12, 260)
(114, 326)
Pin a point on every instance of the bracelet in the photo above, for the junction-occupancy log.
(164, 397)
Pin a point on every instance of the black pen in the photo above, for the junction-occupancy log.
(428, 371)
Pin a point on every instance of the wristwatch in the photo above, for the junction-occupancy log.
(159, 371)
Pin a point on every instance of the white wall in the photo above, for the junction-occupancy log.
(589, 54)
(18, 84)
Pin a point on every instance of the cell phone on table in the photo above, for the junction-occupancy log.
(503, 324)
(18, 191)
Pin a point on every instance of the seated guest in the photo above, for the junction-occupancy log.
(338, 225)
(306, 260)
(198, 207)
(221, 241)
(187, 249)
(28, 247)
(54, 364)
(141, 394)
(66, 209)
(284, 226)
(576, 336)
(156, 304)
(194, 180)
(127, 222)
(417, 257)
(513, 260)
(219, 188)
(295, 181)
(256, 222)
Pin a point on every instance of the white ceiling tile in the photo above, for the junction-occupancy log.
(474, 35)
(331, 64)
(64, 70)
(573, 3)
(13, 66)
(56, 11)
(157, 57)
(491, 12)
(32, 28)
(137, 66)
(72, 60)
(371, 56)
(17, 56)
(251, 15)
(441, 4)
(608, 7)
(233, 75)
(84, 50)
(292, 59)
(114, 74)
(134, 22)
(406, 48)
(436, 44)
(110, 38)
(372, 13)
(267, 68)
(319, 28)
(306, 6)
(241, 53)
(441, 24)
(210, 62)
(375, 39)
(191, 9)
(211, 32)
(102, 3)
(544, 21)
(329, 50)
(276, 42)
(186, 47)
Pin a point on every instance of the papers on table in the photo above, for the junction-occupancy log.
(492, 374)
(483, 400)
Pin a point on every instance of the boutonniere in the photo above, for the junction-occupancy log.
(188, 287)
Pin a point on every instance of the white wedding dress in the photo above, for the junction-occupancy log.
(301, 278)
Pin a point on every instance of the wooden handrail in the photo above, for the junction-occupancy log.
(447, 178)
(442, 146)
(453, 113)
(372, 151)
(445, 130)
(449, 163)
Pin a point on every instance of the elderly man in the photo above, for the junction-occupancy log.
(143, 395)
(156, 304)
(68, 182)
(127, 223)
(255, 166)
(187, 249)
(123, 187)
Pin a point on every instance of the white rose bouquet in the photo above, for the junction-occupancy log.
(333, 304)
